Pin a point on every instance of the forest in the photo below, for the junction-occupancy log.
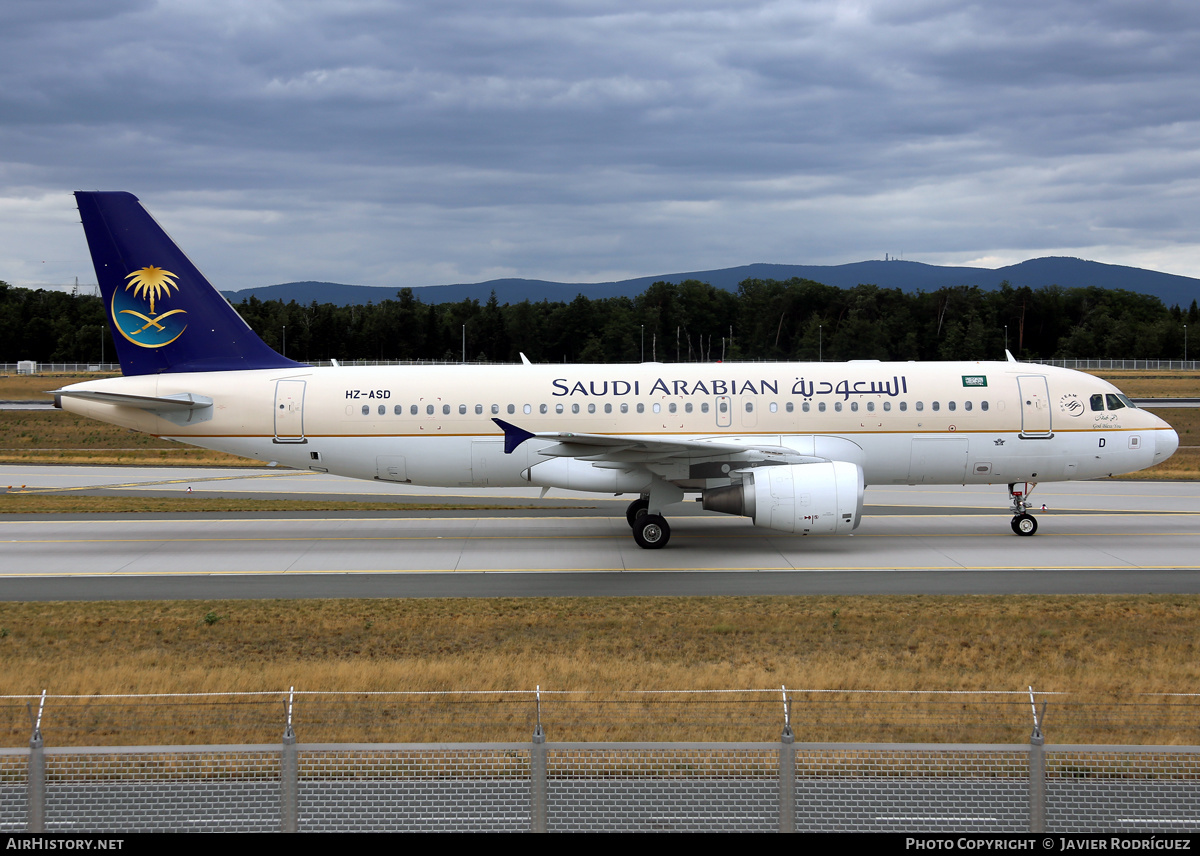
(796, 319)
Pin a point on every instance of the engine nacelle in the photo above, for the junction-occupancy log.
(808, 499)
(573, 474)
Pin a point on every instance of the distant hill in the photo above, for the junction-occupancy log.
(907, 276)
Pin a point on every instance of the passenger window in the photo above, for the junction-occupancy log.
(542, 408)
(854, 407)
(574, 408)
(608, 408)
(366, 409)
(399, 409)
(591, 408)
(687, 408)
(920, 406)
(949, 406)
(805, 406)
(704, 407)
(429, 409)
(790, 406)
(558, 408)
(1097, 401)
(903, 406)
(478, 409)
(966, 405)
(445, 409)
(820, 406)
(749, 406)
(495, 409)
(641, 408)
(887, 407)
(413, 410)
(382, 410)
(774, 407)
(671, 407)
(624, 408)
(657, 407)
(462, 409)
(837, 406)
(528, 408)
(870, 407)
(983, 405)
(512, 409)
(723, 407)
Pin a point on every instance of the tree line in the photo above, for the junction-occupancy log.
(796, 319)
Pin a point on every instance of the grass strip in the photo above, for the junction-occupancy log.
(21, 503)
(1104, 652)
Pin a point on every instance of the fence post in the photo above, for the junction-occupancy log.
(537, 764)
(1037, 771)
(35, 817)
(289, 775)
(787, 771)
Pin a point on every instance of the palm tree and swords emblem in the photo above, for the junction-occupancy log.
(152, 284)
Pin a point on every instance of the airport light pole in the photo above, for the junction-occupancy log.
(284, 353)
(643, 326)
(820, 343)
(1006, 338)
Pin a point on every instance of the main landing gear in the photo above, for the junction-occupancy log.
(1023, 523)
(650, 531)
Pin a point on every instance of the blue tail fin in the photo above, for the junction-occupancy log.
(164, 314)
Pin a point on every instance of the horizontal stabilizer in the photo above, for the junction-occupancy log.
(182, 401)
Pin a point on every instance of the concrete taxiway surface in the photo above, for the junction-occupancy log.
(1112, 536)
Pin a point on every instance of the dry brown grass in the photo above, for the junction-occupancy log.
(38, 503)
(35, 387)
(1099, 648)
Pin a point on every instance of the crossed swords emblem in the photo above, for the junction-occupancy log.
(150, 322)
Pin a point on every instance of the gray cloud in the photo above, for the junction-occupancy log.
(416, 143)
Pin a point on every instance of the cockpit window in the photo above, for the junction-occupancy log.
(1126, 400)
(1114, 401)
(1098, 401)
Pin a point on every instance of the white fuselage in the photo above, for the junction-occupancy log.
(903, 423)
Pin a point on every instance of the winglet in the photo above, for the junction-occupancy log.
(1009, 356)
(513, 436)
(525, 360)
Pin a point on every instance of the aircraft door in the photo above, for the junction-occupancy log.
(289, 411)
(724, 411)
(938, 460)
(1035, 406)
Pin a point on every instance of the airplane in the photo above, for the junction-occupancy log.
(789, 445)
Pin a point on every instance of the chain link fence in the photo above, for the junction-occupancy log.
(738, 760)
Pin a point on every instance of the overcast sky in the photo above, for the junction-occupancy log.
(419, 143)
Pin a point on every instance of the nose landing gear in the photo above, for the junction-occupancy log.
(1023, 523)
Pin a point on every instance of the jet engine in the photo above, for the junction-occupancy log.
(807, 499)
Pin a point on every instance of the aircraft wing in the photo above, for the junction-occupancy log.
(625, 450)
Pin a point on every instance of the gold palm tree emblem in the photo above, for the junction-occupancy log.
(152, 282)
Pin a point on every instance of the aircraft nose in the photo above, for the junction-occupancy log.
(1166, 441)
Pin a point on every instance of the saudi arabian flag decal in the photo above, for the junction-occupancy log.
(134, 309)
(974, 380)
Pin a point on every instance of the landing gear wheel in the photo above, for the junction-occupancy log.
(636, 509)
(1024, 524)
(651, 532)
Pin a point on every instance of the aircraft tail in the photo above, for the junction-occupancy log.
(166, 317)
